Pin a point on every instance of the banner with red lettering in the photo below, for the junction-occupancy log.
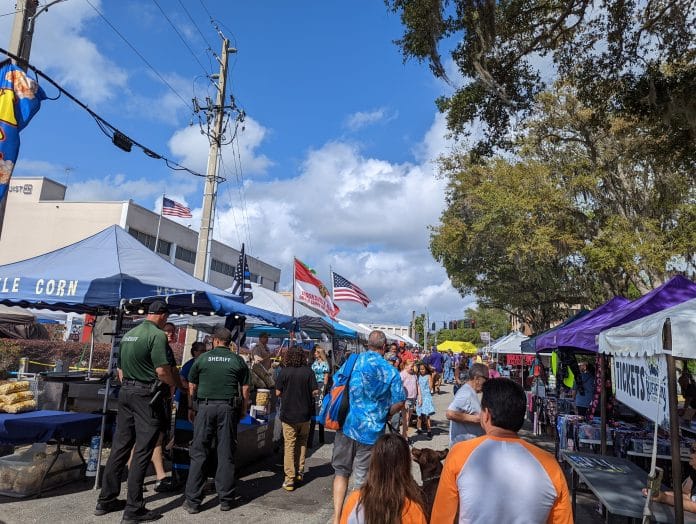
(311, 291)
(518, 360)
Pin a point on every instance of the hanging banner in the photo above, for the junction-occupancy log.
(20, 99)
(641, 384)
(518, 360)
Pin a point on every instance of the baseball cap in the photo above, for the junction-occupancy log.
(158, 307)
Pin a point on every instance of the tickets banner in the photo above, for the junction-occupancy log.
(641, 384)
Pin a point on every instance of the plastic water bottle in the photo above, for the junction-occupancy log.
(93, 456)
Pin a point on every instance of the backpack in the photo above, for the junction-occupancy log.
(335, 405)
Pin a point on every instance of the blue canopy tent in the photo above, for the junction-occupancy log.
(211, 304)
(94, 274)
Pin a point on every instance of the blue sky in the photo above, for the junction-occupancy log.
(336, 153)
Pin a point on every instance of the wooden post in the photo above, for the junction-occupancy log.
(673, 422)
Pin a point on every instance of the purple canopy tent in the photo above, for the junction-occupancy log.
(582, 335)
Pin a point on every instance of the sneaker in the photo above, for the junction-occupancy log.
(190, 508)
(226, 506)
(299, 477)
(288, 485)
(419, 431)
(108, 507)
(142, 515)
(430, 435)
(164, 486)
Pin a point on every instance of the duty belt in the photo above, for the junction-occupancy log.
(137, 383)
(216, 401)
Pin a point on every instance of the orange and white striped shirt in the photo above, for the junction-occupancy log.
(493, 479)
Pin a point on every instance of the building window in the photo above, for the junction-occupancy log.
(221, 267)
(260, 280)
(254, 277)
(164, 247)
(185, 254)
(145, 239)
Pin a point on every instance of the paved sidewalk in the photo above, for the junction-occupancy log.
(261, 497)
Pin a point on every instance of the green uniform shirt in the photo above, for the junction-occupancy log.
(219, 374)
(143, 349)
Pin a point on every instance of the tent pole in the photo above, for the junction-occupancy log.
(673, 422)
(603, 403)
(91, 348)
(116, 337)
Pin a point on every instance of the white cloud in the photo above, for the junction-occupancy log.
(362, 119)
(119, 186)
(365, 217)
(192, 147)
(60, 48)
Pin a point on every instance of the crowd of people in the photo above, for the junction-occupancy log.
(387, 385)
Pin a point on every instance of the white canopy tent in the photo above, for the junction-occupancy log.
(510, 344)
(644, 336)
(362, 331)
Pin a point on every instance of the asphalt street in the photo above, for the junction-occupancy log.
(261, 498)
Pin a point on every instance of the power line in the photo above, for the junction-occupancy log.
(12, 13)
(240, 187)
(229, 195)
(206, 10)
(164, 81)
(120, 139)
(181, 37)
(210, 48)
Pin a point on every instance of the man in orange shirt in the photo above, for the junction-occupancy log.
(528, 483)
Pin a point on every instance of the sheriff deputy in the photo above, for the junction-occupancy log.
(220, 381)
(142, 368)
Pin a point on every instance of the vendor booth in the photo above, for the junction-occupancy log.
(655, 379)
(643, 353)
(94, 276)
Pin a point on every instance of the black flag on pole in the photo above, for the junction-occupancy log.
(241, 286)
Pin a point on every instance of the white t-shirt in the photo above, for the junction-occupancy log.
(465, 401)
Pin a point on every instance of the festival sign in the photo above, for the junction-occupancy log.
(641, 384)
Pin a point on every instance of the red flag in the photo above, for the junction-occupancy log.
(311, 291)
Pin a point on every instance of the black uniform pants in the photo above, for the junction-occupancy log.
(136, 423)
(215, 421)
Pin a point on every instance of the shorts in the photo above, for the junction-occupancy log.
(410, 403)
(351, 457)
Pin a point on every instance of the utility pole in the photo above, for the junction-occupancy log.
(215, 113)
(211, 179)
(20, 45)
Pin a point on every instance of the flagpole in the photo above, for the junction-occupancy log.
(159, 223)
(333, 299)
(294, 265)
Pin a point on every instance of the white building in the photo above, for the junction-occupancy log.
(38, 219)
(394, 329)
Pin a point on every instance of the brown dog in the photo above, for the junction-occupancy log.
(430, 465)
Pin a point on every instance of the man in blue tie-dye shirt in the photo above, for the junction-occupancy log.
(376, 392)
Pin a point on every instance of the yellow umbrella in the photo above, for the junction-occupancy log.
(457, 347)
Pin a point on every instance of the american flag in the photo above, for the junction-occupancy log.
(343, 289)
(172, 208)
(241, 286)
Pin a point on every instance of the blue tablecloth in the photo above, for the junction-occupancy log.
(44, 425)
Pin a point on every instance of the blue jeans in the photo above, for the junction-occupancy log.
(449, 375)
